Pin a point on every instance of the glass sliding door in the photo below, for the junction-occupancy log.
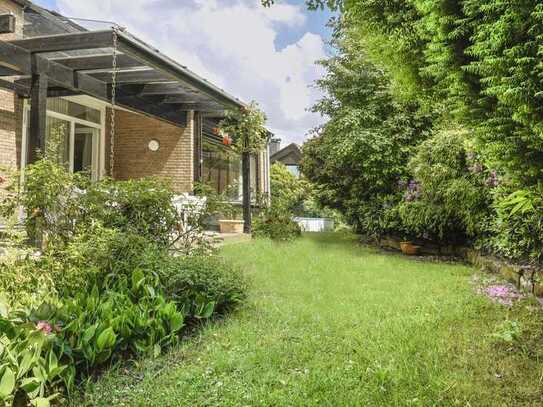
(74, 135)
(85, 140)
(58, 140)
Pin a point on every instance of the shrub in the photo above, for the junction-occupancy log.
(517, 230)
(196, 282)
(449, 198)
(106, 283)
(30, 370)
(287, 191)
(144, 207)
(276, 224)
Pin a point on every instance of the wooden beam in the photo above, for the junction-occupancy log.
(138, 76)
(67, 42)
(152, 57)
(7, 23)
(92, 62)
(68, 78)
(199, 107)
(246, 181)
(20, 88)
(15, 58)
(189, 98)
(38, 109)
(147, 107)
(165, 88)
(5, 71)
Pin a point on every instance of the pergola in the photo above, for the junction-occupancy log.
(146, 80)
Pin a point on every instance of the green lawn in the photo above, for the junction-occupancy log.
(330, 322)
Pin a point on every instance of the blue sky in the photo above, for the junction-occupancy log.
(254, 53)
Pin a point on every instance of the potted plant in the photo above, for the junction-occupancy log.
(230, 219)
(408, 248)
(228, 214)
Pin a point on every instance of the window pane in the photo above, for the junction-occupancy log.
(83, 147)
(58, 140)
(73, 109)
(221, 169)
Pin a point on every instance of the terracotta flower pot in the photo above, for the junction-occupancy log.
(409, 248)
(231, 226)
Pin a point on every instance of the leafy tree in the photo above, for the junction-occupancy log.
(357, 159)
(287, 191)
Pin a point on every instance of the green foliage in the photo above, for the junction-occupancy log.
(106, 283)
(219, 204)
(246, 127)
(287, 191)
(450, 201)
(276, 224)
(356, 160)
(204, 284)
(30, 370)
(517, 230)
(458, 64)
(142, 207)
(507, 332)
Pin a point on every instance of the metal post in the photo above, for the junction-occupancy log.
(246, 171)
(38, 116)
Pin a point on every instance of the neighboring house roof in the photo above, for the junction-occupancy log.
(290, 155)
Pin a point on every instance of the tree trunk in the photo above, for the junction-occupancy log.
(246, 175)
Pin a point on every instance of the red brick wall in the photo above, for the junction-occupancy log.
(10, 104)
(133, 159)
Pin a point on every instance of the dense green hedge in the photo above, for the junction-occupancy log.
(436, 121)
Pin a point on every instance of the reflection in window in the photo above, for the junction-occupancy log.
(58, 141)
(83, 145)
(73, 109)
(221, 168)
(294, 170)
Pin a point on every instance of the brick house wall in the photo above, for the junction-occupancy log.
(133, 159)
(11, 111)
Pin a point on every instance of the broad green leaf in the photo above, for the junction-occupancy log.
(7, 383)
(40, 402)
(53, 361)
(4, 308)
(106, 339)
(176, 322)
(88, 334)
(30, 384)
(208, 310)
(26, 363)
(137, 279)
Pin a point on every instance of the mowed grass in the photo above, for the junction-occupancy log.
(333, 323)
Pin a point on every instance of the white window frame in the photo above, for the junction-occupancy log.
(98, 153)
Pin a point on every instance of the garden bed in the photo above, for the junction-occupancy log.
(529, 279)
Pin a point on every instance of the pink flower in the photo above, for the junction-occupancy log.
(504, 294)
(44, 326)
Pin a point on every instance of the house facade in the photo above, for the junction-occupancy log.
(290, 156)
(142, 115)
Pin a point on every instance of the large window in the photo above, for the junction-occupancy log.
(73, 135)
(221, 169)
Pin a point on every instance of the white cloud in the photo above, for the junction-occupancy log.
(231, 43)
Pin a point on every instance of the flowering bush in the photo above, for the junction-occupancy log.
(276, 224)
(448, 199)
